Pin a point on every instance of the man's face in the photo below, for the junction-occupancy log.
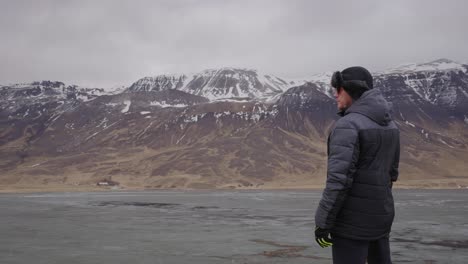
(343, 100)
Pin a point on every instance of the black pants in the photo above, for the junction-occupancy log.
(357, 252)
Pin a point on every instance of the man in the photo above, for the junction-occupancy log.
(357, 208)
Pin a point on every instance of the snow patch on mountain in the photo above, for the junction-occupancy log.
(259, 111)
(163, 104)
(235, 100)
(445, 143)
(127, 104)
(409, 123)
(426, 134)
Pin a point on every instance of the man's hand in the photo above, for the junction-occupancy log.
(322, 236)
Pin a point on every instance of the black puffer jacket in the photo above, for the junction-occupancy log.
(363, 157)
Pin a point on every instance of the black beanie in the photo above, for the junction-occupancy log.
(356, 80)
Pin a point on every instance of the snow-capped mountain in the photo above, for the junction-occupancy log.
(219, 84)
(322, 80)
(48, 89)
(158, 83)
(38, 98)
(219, 128)
(442, 83)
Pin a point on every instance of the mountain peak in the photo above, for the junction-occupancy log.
(52, 84)
(435, 65)
(442, 60)
(218, 84)
(159, 83)
(229, 69)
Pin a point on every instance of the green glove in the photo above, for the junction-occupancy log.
(322, 236)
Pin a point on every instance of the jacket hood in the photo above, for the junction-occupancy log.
(373, 105)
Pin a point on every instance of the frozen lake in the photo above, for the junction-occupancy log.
(204, 227)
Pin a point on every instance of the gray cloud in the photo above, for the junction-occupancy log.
(106, 43)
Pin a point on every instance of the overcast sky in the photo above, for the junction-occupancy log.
(108, 43)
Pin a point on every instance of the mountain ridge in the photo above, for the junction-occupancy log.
(53, 134)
